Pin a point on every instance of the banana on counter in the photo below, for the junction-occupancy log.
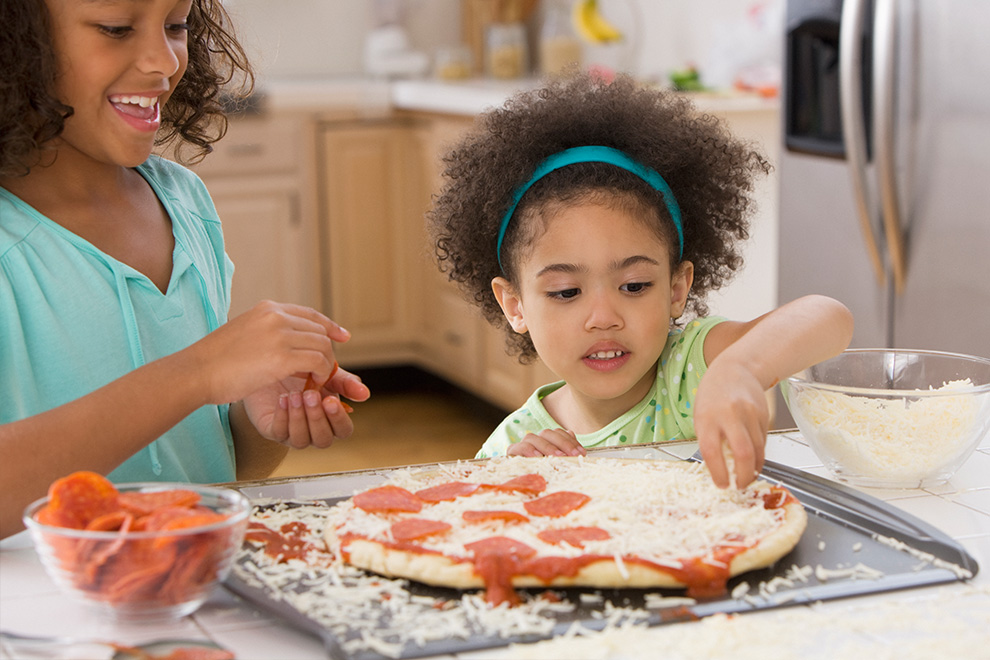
(591, 25)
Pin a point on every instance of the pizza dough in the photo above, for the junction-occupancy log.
(558, 522)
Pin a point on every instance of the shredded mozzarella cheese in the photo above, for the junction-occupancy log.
(949, 623)
(652, 512)
(901, 439)
(367, 612)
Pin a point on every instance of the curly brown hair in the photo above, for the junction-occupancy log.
(31, 115)
(710, 172)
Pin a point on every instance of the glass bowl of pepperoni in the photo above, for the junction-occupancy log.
(892, 418)
(140, 551)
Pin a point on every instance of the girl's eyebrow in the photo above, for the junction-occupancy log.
(561, 268)
(614, 266)
(632, 261)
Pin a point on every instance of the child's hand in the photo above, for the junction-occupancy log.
(549, 442)
(731, 412)
(268, 344)
(298, 417)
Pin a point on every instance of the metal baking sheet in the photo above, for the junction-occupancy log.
(843, 530)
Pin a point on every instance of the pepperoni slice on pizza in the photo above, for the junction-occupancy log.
(560, 521)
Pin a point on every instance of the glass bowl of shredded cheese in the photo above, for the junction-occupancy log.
(891, 418)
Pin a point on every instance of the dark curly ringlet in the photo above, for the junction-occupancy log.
(31, 114)
(710, 172)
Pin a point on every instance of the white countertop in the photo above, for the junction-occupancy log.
(30, 603)
(467, 97)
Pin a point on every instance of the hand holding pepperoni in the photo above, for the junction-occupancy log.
(268, 344)
(549, 442)
(264, 357)
(299, 413)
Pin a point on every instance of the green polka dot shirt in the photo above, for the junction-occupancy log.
(664, 414)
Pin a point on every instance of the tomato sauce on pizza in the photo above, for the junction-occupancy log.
(553, 522)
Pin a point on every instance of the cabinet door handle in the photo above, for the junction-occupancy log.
(295, 210)
(247, 149)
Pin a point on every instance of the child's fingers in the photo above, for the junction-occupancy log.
(318, 426)
(746, 442)
(298, 423)
(564, 441)
(280, 420)
(348, 385)
(331, 328)
(524, 448)
(547, 443)
(711, 454)
(743, 458)
(340, 421)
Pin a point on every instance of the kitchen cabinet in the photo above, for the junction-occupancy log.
(260, 179)
(376, 177)
(372, 204)
(457, 342)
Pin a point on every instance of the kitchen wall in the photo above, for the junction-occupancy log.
(291, 39)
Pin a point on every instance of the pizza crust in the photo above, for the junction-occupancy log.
(436, 569)
(441, 571)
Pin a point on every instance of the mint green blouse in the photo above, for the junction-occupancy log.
(663, 414)
(73, 319)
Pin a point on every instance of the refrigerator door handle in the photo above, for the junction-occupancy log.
(853, 123)
(884, 62)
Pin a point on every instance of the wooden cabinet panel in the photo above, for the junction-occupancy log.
(259, 177)
(368, 209)
(450, 341)
(264, 236)
(255, 144)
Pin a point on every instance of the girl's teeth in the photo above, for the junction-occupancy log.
(143, 101)
(605, 355)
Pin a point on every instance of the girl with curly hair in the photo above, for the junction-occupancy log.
(115, 351)
(586, 218)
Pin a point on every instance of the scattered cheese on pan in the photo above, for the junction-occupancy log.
(944, 623)
(370, 613)
(926, 557)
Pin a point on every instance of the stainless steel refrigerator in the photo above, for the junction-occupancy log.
(885, 170)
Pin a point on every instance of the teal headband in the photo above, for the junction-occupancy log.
(596, 154)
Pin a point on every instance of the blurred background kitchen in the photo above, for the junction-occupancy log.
(322, 181)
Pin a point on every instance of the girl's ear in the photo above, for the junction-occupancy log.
(511, 304)
(680, 285)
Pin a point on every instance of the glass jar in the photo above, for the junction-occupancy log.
(506, 52)
(453, 63)
(560, 47)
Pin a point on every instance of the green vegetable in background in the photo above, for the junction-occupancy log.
(687, 80)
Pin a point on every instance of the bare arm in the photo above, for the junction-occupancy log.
(99, 431)
(745, 360)
(96, 432)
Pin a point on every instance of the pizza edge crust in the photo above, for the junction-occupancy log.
(439, 570)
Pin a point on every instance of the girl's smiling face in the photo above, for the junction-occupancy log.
(597, 295)
(118, 63)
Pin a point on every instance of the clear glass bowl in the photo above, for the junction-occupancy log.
(890, 418)
(144, 575)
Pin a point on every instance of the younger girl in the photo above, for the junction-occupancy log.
(598, 214)
(115, 351)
